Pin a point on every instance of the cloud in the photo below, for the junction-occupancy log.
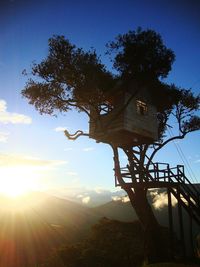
(86, 200)
(97, 196)
(160, 200)
(116, 198)
(79, 196)
(123, 199)
(100, 190)
(68, 149)
(12, 160)
(11, 117)
(72, 173)
(87, 149)
(3, 137)
(60, 129)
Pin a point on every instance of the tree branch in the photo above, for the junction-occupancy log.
(71, 103)
(75, 135)
(164, 144)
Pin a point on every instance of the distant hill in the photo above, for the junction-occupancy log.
(117, 210)
(32, 226)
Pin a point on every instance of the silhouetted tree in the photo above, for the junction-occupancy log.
(110, 244)
(73, 78)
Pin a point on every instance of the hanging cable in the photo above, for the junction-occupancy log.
(184, 159)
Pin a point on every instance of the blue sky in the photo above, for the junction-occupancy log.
(32, 145)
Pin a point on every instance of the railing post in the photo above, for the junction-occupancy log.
(168, 173)
(157, 172)
(171, 231)
(183, 172)
(180, 215)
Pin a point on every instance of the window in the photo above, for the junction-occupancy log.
(141, 107)
(105, 108)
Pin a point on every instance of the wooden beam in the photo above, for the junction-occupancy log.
(180, 216)
(171, 230)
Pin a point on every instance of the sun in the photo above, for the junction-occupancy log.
(17, 180)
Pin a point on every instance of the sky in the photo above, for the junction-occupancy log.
(33, 149)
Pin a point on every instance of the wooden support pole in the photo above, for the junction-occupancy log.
(191, 234)
(171, 231)
(180, 216)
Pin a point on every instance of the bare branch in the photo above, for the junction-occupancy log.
(164, 144)
(75, 135)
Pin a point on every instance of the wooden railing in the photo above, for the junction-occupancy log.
(157, 172)
(161, 175)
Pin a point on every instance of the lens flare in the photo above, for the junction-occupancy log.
(17, 180)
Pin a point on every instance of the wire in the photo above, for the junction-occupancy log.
(184, 159)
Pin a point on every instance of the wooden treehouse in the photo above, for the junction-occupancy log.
(129, 120)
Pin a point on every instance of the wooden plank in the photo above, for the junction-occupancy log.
(151, 184)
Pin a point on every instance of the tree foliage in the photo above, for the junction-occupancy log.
(70, 77)
(110, 244)
(142, 55)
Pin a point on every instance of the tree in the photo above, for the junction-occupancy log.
(110, 244)
(73, 78)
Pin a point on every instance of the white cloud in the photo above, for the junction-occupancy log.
(125, 199)
(12, 117)
(87, 149)
(3, 137)
(79, 196)
(60, 129)
(68, 149)
(86, 200)
(2, 105)
(10, 160)
(97, 196)
(160, 200)
(72, 173)
(99, 190)
(116, 198)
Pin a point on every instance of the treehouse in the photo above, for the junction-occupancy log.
(128, 118)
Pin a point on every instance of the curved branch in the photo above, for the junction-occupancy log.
(163, 144)
(75, 104)
(75, 135)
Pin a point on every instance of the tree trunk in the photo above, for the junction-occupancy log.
(155, 249)
(155, 245)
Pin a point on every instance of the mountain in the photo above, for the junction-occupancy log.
(33, 225)
(118, 210)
